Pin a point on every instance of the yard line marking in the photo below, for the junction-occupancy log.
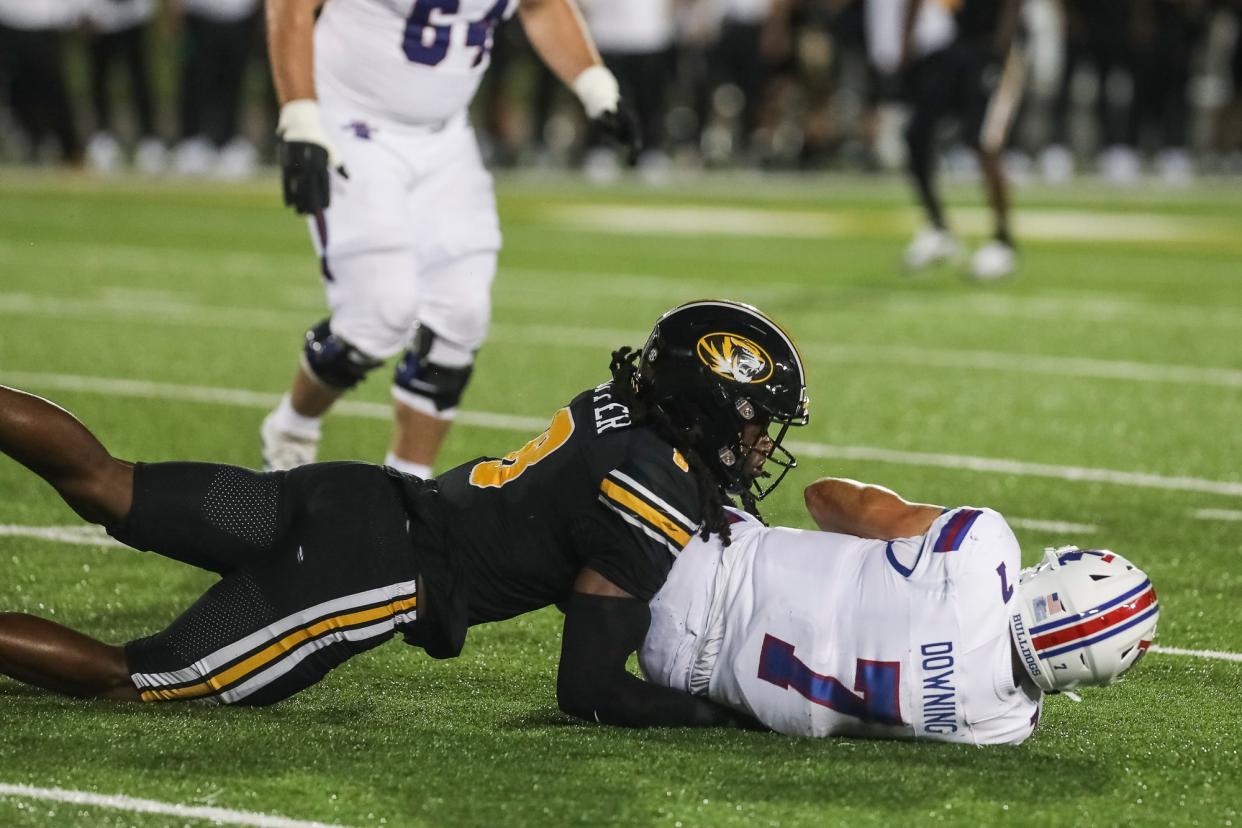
(180, 312)
(1218, 514)
(509, 422)
(1212, 654)
(218, 816)
(75, 535)
(1017, 467)
(1056, 526)
(568, 336)
(1033, 223)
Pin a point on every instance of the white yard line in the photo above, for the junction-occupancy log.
(162, 310)
(1217, 655)
(1018, 467)
(1218, 514)
(1032, 223)
(508, 422)
(1059, 527)
(74, 535)
(217, 816)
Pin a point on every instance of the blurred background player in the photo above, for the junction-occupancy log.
(898, 620)
(118, 38)
(635, 40)
(218, 43)
(978, 79)
(32, 73)
(406, 232)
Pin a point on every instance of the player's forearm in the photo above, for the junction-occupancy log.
(625, 700)
(592, 682)
(866, 511)
(290, 44)
(559, 36)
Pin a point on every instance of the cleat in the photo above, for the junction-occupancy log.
(995, 260)
(283, 450)
(931, 246)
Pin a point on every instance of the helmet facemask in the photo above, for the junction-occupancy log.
(753, 479)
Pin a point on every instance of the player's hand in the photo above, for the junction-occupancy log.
(597, 88)
(620, 126)
(306, 156)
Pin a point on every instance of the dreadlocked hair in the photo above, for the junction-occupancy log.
(712, 496)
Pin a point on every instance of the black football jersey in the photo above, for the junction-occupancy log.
(593, 490)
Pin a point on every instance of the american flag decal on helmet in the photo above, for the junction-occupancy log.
(1097, 624)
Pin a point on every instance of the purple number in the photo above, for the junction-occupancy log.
(1006, 589)
(419, 30)
(481, 32)
(418, 24)
(877, 683)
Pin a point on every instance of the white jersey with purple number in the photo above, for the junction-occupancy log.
(822, 634)
(410, 62)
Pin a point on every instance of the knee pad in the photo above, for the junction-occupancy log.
(333, 360)
(416, 374)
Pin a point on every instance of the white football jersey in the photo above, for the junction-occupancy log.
(822, 634)
(630, 27)
(411, 62)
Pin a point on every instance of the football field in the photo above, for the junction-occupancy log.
(1096, 400)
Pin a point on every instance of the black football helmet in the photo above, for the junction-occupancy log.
(713, 366)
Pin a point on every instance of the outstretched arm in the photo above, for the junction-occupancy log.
(603, 625)
(838, 504)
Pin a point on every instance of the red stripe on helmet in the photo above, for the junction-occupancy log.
(1097, 624)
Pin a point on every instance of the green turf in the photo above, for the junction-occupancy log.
(1104, 354)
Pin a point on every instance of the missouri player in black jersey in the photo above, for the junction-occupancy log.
(328, 560)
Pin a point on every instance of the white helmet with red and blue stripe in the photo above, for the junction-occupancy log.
(1082, 616)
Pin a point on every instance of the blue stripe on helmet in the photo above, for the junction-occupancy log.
(1076, 617)
(1104, 635)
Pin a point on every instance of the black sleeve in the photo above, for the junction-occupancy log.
(593, 684)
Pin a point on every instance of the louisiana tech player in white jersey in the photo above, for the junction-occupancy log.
(823, 634)
(376, 148)
(819, 633)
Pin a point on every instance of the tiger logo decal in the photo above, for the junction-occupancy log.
(735, 357)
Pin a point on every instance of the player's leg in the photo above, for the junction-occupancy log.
(368, 266)
(988, 119)
(454, 202)
(208, 515)
(431, 377)
(45, 654)
(928, 81)
(54, 444)
(341, 581)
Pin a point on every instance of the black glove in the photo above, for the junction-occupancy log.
(306, 155)
(304, 175)
(620, 126)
